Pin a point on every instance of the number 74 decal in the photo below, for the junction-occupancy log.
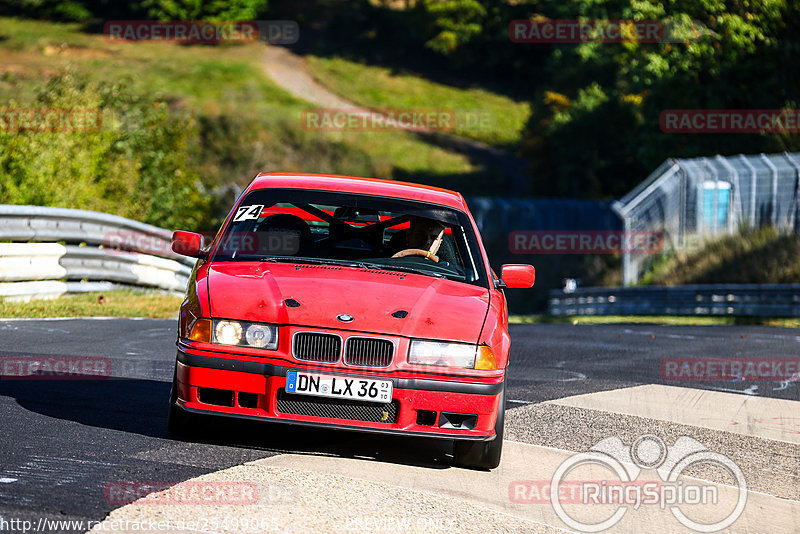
(244, 213)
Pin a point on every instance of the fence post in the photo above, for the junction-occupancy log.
(733, 200)
(796, 200)
(774, 170)
(682, 209)
(628, 276)
(753, 177)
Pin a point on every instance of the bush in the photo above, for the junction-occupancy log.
(227, 10)
(136, 165)
(46, 9)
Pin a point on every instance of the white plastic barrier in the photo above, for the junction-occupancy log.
(101, 252)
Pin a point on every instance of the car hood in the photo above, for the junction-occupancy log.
(437, 308)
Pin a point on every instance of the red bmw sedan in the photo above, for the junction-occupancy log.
(348, 303)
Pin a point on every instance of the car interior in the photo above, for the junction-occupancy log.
(356, 234)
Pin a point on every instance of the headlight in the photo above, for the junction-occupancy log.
(442, 353)
(259, 335)
(227, 333)
(237, 333)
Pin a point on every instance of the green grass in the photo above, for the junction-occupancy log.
(129, 303)
(379, 87)
(656, 319)
(118, 303)
(218, 81)
(751, 257)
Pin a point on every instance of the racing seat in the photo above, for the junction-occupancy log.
(284, 234)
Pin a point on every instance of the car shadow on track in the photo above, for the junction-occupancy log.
(140, 406)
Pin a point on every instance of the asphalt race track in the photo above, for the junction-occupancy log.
(64, 441)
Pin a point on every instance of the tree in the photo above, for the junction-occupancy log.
(220, 10)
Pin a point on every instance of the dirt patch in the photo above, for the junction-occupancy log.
(81, 52)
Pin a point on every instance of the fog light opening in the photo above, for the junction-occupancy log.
(215, 397)
(460, 421)
(247, 400)
(426, 417)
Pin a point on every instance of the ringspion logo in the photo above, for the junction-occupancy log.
(586, 492)
(624, 493)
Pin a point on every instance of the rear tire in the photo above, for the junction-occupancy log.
(483, 454)
(179, 423)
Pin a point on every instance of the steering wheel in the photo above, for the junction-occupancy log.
(417, 252)
(429, 254)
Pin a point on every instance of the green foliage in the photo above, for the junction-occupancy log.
(117, 303)
(232, 146)
(761, 256)
(190, 121)
(457, 21)
(67, 10)
(136, 165)
(602, 135)
(717, 55)
(220, 10)
(81, 10)
(481, 115)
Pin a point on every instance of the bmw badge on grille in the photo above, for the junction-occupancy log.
(345, 318)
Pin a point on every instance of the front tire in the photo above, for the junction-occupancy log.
(483, 454)
(179, 423)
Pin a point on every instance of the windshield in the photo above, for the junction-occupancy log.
(301, 226)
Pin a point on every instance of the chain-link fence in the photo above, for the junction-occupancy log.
(690, 200)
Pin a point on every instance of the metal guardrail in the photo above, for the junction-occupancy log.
(763, 300)
(46, 252)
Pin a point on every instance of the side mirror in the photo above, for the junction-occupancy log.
(518, 276)
(187, 243)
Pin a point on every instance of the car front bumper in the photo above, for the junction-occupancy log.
(256, 390)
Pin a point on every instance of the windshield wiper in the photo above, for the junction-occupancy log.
(313, 261)
(403, 268)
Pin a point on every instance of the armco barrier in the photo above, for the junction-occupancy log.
(763, 300)
(99, 252)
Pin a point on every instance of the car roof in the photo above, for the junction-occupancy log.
(355, 184)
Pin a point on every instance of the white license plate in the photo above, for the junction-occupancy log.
(343, 387)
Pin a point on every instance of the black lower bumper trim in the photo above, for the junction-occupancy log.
(391, 432)
(268, 369)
